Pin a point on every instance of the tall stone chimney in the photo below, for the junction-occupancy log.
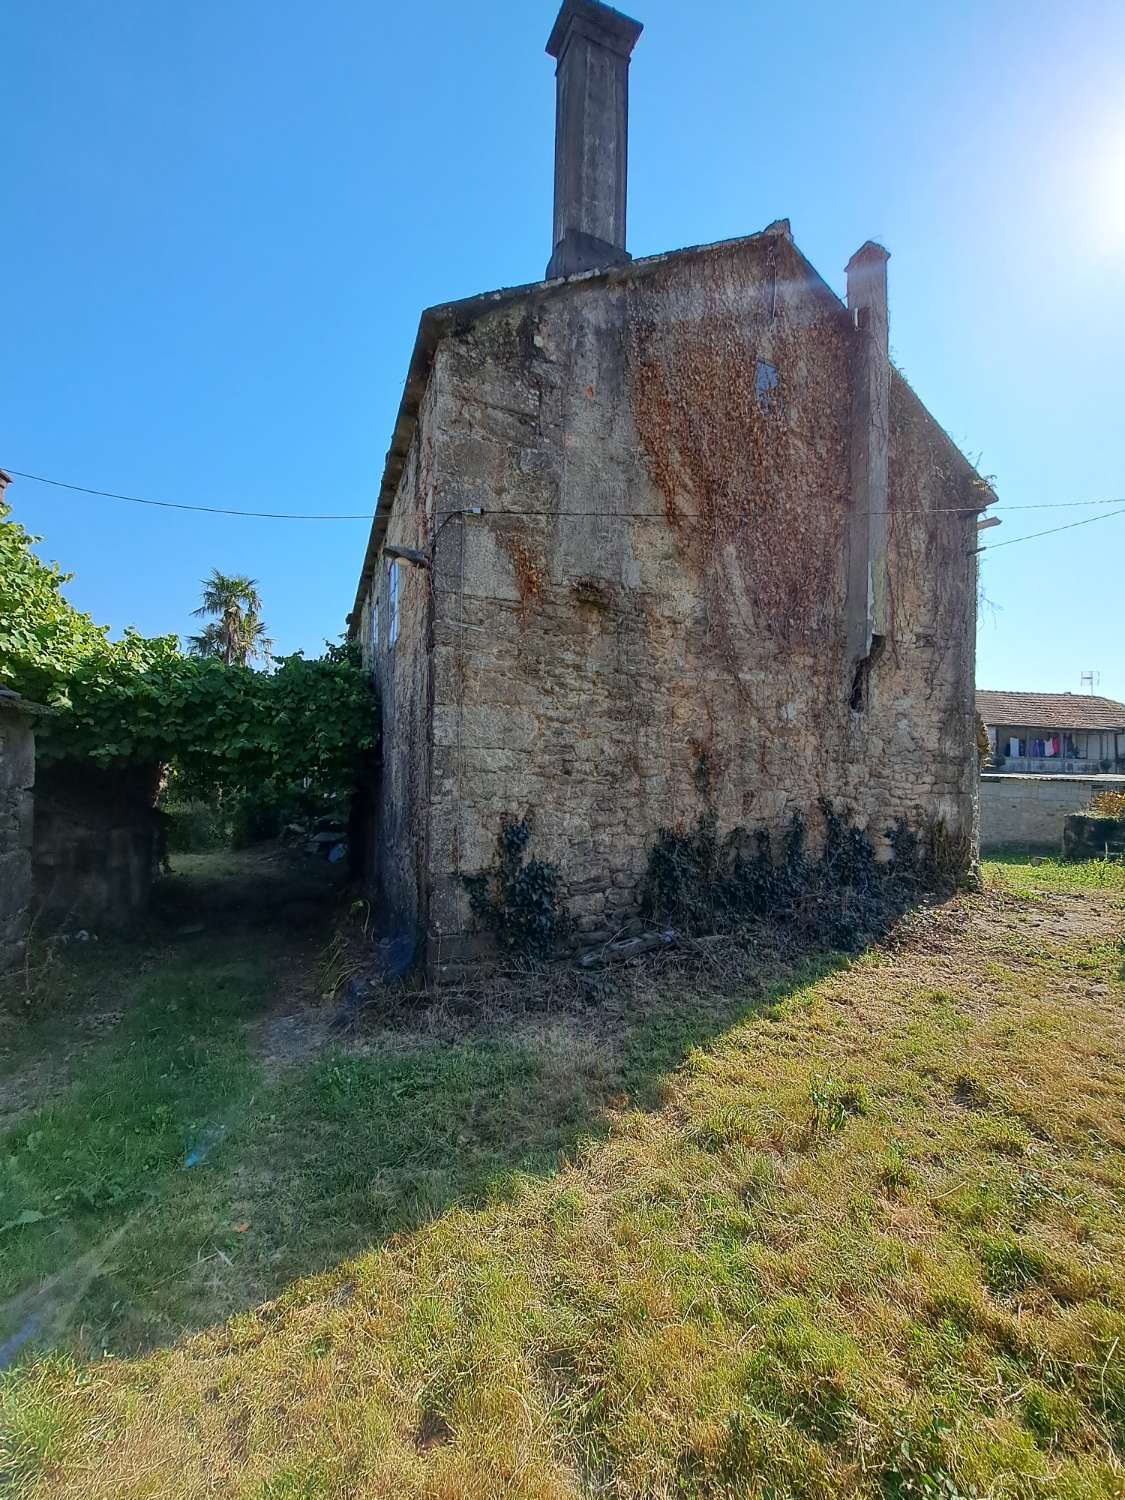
(593, 45)
(867, 607)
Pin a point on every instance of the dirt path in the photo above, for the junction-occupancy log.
(274, 903)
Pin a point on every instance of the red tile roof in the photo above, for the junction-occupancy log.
(1050, 710)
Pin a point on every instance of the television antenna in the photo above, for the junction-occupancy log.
(1090, 680)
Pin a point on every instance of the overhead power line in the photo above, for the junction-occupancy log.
(272, 515)
(1050, 531)
(211, 510)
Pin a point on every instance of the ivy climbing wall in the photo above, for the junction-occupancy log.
(635, 491)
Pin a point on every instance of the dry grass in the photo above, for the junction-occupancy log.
(857, 1233)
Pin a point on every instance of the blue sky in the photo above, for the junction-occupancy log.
(222, 220)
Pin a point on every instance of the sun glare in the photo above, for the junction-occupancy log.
(1108, 189)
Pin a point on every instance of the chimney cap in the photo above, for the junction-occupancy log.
(869, 253)
(600, 22)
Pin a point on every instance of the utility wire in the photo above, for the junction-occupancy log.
(211, 510)
(1050, 531)
(270, 515)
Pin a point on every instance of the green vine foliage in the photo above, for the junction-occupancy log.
(41, 635)
(139, 699)
(701, 883)
(518, 901)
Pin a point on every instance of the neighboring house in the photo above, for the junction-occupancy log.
(657, 538)
(1060, 733)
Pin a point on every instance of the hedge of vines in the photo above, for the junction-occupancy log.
(139, 699)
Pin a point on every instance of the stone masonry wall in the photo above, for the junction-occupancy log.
(17, 779)
(1022, 813)
(647, 619)
(402, 679)
(93, 846)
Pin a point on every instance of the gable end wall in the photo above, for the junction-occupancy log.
(647, 620)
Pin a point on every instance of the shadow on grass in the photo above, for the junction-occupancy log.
(174, 1183)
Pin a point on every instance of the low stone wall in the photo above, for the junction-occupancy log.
(93, 851)
(17, 778)
(1093, 838)
(1026, 813)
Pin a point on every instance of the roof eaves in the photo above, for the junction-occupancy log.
(1069, 711)
(14, 702)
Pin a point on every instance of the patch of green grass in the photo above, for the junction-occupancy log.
(894, 1170)
(834, 1102)
(110, 1154)
(857, 1231)
(353, 1149)
(1011, 872)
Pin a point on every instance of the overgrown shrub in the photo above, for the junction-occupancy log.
(234, 821)
(303, 727)
(1107, 804)
(699, 882)
(193, 826)
(519, 901)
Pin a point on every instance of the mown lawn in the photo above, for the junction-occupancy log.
(856, 1228)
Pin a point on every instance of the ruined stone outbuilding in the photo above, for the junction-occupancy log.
(18, 719)
(94, 852)
(655, 538)
(76, 839)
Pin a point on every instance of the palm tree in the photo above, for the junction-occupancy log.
(237, 635)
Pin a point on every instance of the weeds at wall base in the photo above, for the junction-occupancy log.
(731, 913)
(699, 882)
(519, 900)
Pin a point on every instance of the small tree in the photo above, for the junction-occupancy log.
(237, 636)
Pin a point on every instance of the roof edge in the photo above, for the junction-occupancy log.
(449, 317)
(16, 703)
(444, 318)
(1092, 711)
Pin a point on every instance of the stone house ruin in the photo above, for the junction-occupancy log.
(76, 839)
(657, 537)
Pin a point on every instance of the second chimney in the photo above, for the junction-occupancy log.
(593, 45)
